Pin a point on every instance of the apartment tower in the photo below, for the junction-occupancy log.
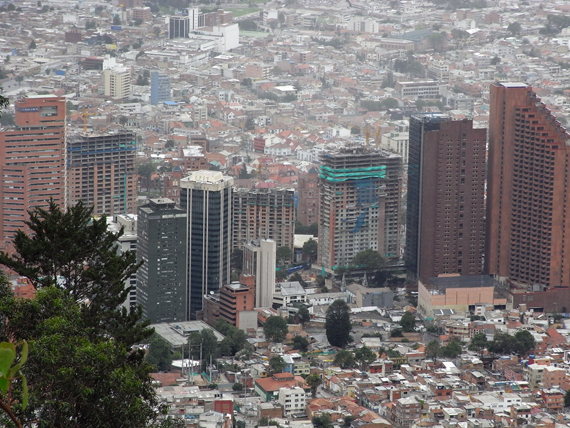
(360, 204)
(159, 88)
(31, 161)
(161, 246)
(259, 258)
(101, 172)
(446, 197)
(263, 214)
(206, 197)
(528, 196)
(308, 205)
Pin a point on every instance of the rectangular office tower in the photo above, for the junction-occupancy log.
(206, 197)
(31, 161)
(101, 172)
(159, 88)
(161, 246)
(446, 197)
(360, 204)
(263, 214)
(259, 258)
(528, 195)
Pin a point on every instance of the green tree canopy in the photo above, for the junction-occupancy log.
(345, 359)
(159, 353)
(408, 322)
(275, 329)
(276, 364)
(514, 28)
(369, 260)
(478, 342)
(314, 380)
(433, 350)
(310, 248)
(364, 356)
(452, 350)
(300, 343)
(322, 421)
(283, 255)
(337, 324)
(303, 316)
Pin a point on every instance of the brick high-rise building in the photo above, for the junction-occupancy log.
(263, 214)
(360, 204)
(446, 197)
(528, 191)
(31, 161)
(308, 190)
(101, 172)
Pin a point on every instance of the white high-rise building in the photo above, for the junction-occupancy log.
(259, 260)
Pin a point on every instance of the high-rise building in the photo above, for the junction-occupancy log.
(446, 197)
(181, 25)
(206, 197)
(259, 261)
(31, 161)
(263, 214)
(308, 190)
(159, 88)
(117, 83)
(528, 195)
(360, 204)
(101, 172)
(161, 280)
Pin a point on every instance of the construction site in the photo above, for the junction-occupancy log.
(361, 197)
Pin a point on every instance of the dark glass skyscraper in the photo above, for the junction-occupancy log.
(206, 197)
(161, 280)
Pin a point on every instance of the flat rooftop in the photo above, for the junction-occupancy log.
(468, 281)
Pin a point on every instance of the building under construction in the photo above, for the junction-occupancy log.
(263, 214)
(360, 204)
(101, 172)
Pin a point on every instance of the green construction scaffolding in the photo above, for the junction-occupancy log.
(344, 174)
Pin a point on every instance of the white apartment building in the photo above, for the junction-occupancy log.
(293, 400)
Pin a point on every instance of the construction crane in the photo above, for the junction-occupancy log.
(377, 135)
(367, 135)
(84, 114)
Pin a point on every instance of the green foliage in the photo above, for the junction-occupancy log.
(408, 322)
(275, 329)
(345, 359)
(72, 371)
(237, 386)
(234, 340)
(337, 324)
(478, 342)
(432, 350)
(283, 255)
(303, 316)
(276, 364)
(514, 28)
(310, 248)
(322, 421)
(452, 350)
(247, 25)
(312, 229)
(32, 45)
(300, 343)
(364, 356)
(72, 251)
(10, 372)
(397, 332)
(314, 380)
(159, 353)
(297, 277)
(209, 343)
(369, 260)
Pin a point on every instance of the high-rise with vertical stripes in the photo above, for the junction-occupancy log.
(31, 161)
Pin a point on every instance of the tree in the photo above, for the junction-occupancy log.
(525, 342)
(237, 386)
(503, 343)
(276, 364)
(32, 45)
(322, 421)
(303, 315)
(310, 248)
(408, 322)
(432, 350)
(283, 255)
(145, 171)
(345, 359)
(71, 371)
(364, 356)
(314, 381)
(300, 343)
(452, 350)
(514, 28)
(10, 372)
(437, 41)
(275, 329)
(116, 20)
(369, 260)
(169, 144)
(90, 24)
(159, 353)
(209, 343)
(337, 324)
(75, 252)
(478, 343)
